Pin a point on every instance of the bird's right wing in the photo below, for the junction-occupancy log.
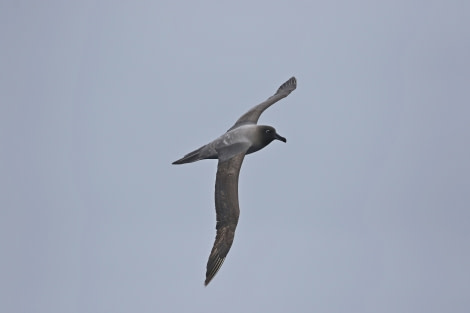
(227, 209)
(252, 116)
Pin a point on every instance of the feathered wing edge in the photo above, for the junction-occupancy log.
(227, 210)
(192, 156)
(252, 116)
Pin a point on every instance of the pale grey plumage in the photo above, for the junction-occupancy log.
(244, 137)
(252, 116)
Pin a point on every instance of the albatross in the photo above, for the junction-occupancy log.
(244, 137)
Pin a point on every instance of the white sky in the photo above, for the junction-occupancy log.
(365, 209)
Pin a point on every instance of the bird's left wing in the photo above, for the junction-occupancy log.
(252, 116)
(227, 209)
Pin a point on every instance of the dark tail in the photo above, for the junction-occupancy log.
(190, 157)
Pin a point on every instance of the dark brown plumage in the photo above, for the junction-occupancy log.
(227, 211)
(244, 137)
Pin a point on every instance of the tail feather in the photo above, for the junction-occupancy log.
(190, 157)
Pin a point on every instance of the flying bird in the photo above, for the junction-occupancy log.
(244, 137)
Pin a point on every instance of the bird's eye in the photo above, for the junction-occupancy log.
(268, 131)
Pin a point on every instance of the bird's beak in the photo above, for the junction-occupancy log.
(279, 137)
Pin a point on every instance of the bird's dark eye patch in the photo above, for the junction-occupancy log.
(268, 131)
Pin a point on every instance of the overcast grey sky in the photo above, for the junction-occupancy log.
(365, 209)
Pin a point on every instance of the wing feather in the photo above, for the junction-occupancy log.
(227, 210)
(252, 116)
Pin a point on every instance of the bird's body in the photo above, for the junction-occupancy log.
(248, 136)
(244, 137)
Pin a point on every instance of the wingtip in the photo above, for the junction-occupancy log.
(291, 81)
(213, 267)
(207, 281)
(289, 85)
(182, 161)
